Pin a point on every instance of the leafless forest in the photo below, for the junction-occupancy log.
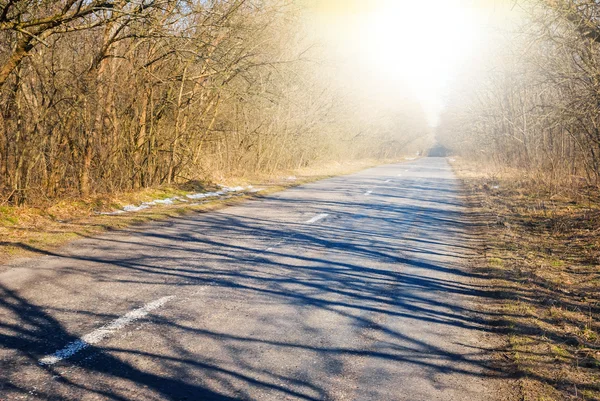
(535, 104)
(101, 96)
(108, 107)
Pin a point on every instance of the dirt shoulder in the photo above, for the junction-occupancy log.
(541, 252)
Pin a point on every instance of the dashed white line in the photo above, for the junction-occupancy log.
(316, 218)
(103, 332)
(368, 193)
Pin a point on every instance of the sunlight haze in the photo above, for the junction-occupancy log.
(409, 44)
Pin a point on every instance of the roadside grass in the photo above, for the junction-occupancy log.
(30, 231)
(542, 251)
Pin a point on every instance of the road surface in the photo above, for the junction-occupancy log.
(351, 288)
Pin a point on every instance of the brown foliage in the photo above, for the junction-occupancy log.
(106, 96)
(535, 104)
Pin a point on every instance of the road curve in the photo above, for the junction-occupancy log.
(350, 288)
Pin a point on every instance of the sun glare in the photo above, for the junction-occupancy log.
(414, 44)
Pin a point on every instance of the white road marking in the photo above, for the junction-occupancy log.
(388, 180)
(368, 193)
(103, 332)
(316, 218)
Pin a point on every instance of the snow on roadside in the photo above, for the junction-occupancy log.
(132, 208)
(114, 212)
(195, 196)
(224, 190)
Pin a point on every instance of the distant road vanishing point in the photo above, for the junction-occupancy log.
(351, 288)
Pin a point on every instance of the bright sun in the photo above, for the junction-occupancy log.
(421, 43)
(417, 44)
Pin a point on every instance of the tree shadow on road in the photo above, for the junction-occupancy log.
(377, 268)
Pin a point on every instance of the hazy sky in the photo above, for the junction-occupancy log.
(400, 43)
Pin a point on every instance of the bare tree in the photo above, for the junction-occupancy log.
(105, 96)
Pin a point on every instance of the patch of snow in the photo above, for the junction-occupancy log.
(170, 201)
(224, 190)
(291, 178)
(231, 189)
(452, 159)
(202, 195)
(111, 213)
(132, 208)
(167, 201)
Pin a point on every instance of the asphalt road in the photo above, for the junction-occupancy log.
(351, 288)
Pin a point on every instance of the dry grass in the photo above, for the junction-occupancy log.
(542, 249)
(28, 231)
